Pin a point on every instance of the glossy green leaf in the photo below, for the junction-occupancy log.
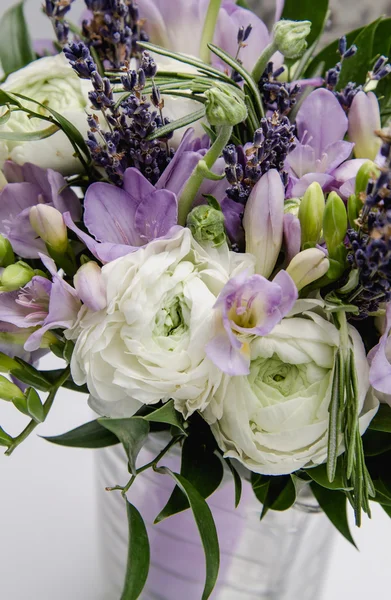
(131, 432)
(376, 442)
(31, 376)
(202, 468)
(137, 567)
(16, 49)
(237, 482)
(8, 98)
(274, 492)
(29, 136)
(166, 414)
(34, 406)
(356, 68)
(89, 435)
(5, 439)
(21, 404)
(161, 132)
(334, 505)
(383, 93)
(319, 475)
(387, 509)
(382, 41)
(243, 4)
(328, 57)
(382, 420)
(307, 10)
(206, 526)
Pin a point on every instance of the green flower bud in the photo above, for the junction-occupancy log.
(366, 172)
(311, 215)
(207, 225)
(335, 222)
(9, 391)
(7, 363)
(7, 256)
(308, 266)
(48, 223)
(354, 208)
(225, 105)
(290, 37)
(16, 276)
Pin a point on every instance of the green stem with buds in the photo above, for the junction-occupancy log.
(263, 60)
(197, 177)
(46, 408)
(209, 29)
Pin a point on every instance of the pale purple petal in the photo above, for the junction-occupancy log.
(233, 215)
(63, 198)
(292, 236)
(364, 120)
(23, 238)
(14, 198)
(110, 212)
(299, 189)
(136, 185)
(289, 292)
(321, 121)
(13, 172)
(228, 359)
(302, 160)
(380, 369)
(336, 153)
(155, 215)
(181, 166)
(10, 312)
(347, 189)
(279, 9)
(89, 286)
(348, 170)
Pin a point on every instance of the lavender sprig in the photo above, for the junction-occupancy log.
(56, 10)
(277, 95)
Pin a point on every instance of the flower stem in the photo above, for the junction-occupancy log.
(46, 408)
(263, 60)
(209, 29)
(196, 178)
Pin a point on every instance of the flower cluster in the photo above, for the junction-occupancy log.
(278, 95)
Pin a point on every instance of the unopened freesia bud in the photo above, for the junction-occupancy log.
(48, 223)
(364, 120)
(7, 363)
(16, 276)
(89, 286)
(9, 391)
(311, 215)
(207, 225)
(308, 266)
(7, 256)
(290, 37)
(367, 172)
(335, 222)
(225, 106)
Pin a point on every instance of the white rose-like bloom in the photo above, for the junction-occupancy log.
(149, 343)
(275, 420)
(51, 81)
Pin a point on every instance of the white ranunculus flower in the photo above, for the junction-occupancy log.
(275, 420)
(51, 81)
(149, 343)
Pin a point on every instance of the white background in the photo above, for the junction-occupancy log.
(48, 525)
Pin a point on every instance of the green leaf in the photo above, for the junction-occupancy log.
(274, 492)
(387, 509)
(243, 4)
(307, 10)
(89, 435)
(329, 56)
(162, 132)
(138, 555)
(31, 376)
(382, 420)
(202, 468)
(131, 432)
(29, 136)
(16, 50)
(206, 526)
(333, 504)
(319, 475)
(382, 41)
(167, 414)
(5, 439)
(376, 442)
(34, 406)
(212, 202)
(8, 98)
(356, 68)
(383, 93)
(237, 482)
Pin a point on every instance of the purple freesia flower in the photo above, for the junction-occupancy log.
(248, 306)
(380, 360)
(27, 186)
(321, 126)
(41, 303)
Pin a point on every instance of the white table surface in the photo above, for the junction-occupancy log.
(48, 525)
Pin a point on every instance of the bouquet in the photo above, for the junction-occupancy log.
(195, 215)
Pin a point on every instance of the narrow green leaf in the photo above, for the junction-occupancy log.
(68, 350)
(29, 136)
(376, 442)
(382, 420)
(334, 505)
(137, 567)
(21, 404)
(319, 475)
(243, 4)
(5, 117)
(5, 439)
(16, 50)
(356, 68)
(131, 432)
(206, 526)
(275, 493)
(334, 410)
(260, 485)
(8, 98)
(202, 468)
(167, 414)
(162, 132)
(34, 406)
(307, 10)
(387, 509)
(89, 435)
(31, 376)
